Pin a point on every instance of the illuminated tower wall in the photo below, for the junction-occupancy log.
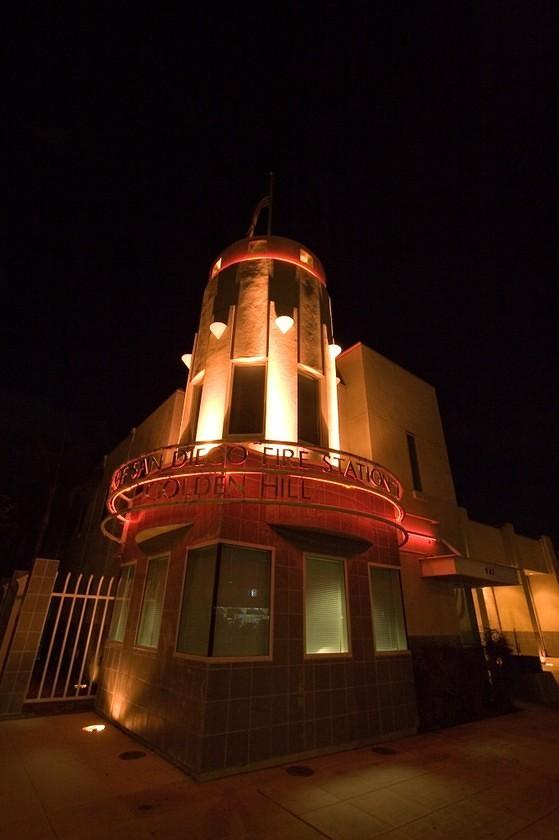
(263, 359)
(249, 546)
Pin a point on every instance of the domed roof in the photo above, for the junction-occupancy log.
(272, 248)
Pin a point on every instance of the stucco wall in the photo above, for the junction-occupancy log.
(429, 604)
(91, 552)
(485, 543)
(380, 403)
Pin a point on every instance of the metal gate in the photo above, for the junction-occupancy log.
(67, 662)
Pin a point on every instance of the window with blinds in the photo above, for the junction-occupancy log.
(226, 602)
(152, 603)
(325, 605)
(388, 613)
(122, 604)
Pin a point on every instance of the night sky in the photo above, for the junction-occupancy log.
(414, 149)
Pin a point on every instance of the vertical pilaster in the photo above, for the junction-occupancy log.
(332, 413)
(281, 388)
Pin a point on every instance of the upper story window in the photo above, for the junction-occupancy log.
(195, 402)
(246, 413)
(414, 463)
(308, 409)
(226, 602)
(152, 603)
(122, 603)
(389, 628)
(325, 605)
(306, 258)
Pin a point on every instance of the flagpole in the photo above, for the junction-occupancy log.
(271, 193)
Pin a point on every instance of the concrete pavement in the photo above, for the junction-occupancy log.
(495, 778)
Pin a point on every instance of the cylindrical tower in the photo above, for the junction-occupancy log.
(263, 359)
(247, 543)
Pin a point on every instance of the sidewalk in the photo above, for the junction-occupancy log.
(491, 779)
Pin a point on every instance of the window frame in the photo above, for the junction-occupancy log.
(399, 651)
(239, 363)
(346, 654)
(268, 657)
(123, 566)
(137, 645)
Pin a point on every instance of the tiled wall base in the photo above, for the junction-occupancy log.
(304, 756)
(271, 762)
(238, 715)
(215, 718)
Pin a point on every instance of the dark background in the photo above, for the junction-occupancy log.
(415, 152)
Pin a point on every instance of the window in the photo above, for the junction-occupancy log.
(308, 409)
(306, 258)
(226, 602)
(195, 401)
(414, 463)
(325, 605)
(246, 415)
(122, 603)
(152, 604)
(388, 613)
(196, 613)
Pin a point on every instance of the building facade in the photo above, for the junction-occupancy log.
(294, 566)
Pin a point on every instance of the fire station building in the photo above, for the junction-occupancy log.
(293, 561)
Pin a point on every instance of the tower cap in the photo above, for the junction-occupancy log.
(271, 248)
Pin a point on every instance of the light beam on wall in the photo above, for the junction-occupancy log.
(186, 359)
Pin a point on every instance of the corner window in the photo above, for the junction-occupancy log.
(325, 605)
(414, 463)
(226, 602)
(121, 604)
(246, 414)
(388, 613)
(308, 409)
(152, 603)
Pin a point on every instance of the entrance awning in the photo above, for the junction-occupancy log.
(455, 568)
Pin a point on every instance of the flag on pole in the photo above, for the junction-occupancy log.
(264, 202)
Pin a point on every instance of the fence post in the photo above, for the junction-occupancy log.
(10, 606)
(20, 658)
